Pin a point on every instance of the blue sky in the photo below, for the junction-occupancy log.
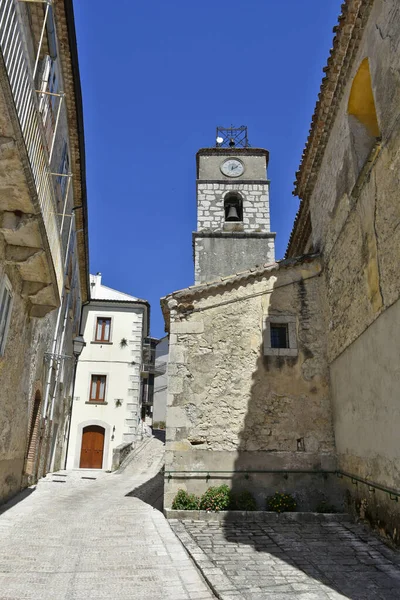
(157, 78)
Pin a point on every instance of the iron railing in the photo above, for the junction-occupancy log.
(16, 60)
(210, 474)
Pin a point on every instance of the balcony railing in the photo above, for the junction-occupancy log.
(13, 48)
(154, 369)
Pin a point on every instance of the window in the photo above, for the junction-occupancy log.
(280, 336)
(5, 311)
(98, 388)
(103, 329)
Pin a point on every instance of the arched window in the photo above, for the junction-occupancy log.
(233, 207)
(363, 122)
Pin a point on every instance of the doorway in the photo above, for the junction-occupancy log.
(92, 447)
(34, 437)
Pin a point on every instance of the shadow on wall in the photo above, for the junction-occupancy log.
(288, 425)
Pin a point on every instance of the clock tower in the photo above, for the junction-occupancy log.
(233, 222)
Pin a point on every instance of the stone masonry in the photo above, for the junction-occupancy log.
(210, 205)
(233, 402)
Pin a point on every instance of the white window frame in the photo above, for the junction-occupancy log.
(290, 321)
(5, 319)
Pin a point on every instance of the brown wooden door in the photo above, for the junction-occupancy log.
(92, 447)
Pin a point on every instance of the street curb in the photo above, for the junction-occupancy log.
(214, 576)
(233, 516)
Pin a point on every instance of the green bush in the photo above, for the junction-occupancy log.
(159, 425)
(243, 501)
(325, 507)
(216, 498)
(185, 501)
(281, 503)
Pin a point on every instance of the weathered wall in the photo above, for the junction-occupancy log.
(217, 255)
(229, 406)
(355, 214)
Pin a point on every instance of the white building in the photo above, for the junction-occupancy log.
(108, 390)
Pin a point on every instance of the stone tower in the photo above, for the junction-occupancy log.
(233, 222)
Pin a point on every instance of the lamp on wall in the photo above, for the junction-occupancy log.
(78, 345)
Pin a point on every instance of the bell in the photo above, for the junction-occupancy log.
(232, 214)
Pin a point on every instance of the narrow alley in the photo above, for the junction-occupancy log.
(80, 535)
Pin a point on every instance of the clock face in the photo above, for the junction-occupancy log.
(232, 167)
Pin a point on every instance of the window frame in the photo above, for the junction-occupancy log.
(290, 322)
(102, 340)
(5, 284)
(96, 399)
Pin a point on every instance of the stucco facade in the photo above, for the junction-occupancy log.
(234, 403)
(348, 185)
(119, 360)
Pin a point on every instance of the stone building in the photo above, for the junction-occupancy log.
(322, 391)
(248, 380)
(348, 184)
(43, 235)
(233, 223)
(110, 386)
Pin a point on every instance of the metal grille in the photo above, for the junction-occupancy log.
(22, 87)
(231, 137)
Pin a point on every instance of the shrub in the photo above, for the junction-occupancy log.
(281, 503)
(185, 501)
(325, 507)
(216, 498)
(243, 501)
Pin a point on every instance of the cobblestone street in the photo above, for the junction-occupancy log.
(286, 560)
(80, 536)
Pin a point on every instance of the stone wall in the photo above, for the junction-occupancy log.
(355, 214)
(210, 205)
(222, 253)
(230, 407)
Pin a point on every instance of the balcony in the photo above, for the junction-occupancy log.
(29, 190)
(153, 369)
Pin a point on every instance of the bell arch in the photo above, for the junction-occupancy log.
(233, 207)
(363, 121)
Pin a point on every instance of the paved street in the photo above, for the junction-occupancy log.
(75, 538)
(292, 561)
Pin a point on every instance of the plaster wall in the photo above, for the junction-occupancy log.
(218, 255)
(229, 406)
(355, 215)
(255, 166)
(122, 366)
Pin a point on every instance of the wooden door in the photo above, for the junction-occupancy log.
(92, 447)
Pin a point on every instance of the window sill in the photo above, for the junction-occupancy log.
(102, 343)
(96, 402)
(280, 352)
